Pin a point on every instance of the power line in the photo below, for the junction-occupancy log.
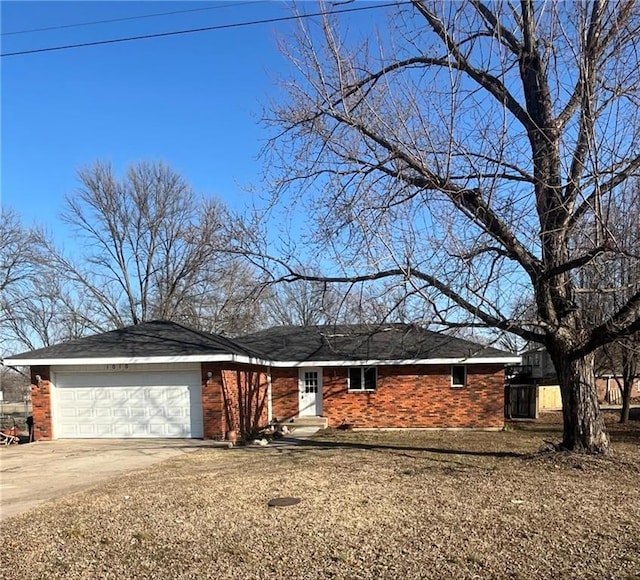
(204, 29)
(142, 16)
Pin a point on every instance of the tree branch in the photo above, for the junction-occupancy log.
(487, 81)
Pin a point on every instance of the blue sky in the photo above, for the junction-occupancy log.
(193, 101)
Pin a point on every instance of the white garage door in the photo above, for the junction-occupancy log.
(128, 404)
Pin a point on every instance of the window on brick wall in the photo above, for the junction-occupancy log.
(458, 376)
(362, 379)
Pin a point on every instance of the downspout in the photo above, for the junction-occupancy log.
(269, 399)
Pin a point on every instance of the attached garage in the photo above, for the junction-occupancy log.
(155, 379)
(136, 402)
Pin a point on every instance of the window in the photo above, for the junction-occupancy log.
(311, 381)
(458, 376)
(362, 379)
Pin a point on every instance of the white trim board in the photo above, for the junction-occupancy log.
(119, 360)
(399, 362)
(255, 361)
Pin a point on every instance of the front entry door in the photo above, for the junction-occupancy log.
(310, 388)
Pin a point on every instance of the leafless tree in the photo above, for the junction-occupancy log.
(14, 385)
(458, 149)
(19, 258)
(149, 248)
(22, 267)
(309, 303)
(610, 280)
(46, 312)
(622, 359)
(18, 252)
(227, 299)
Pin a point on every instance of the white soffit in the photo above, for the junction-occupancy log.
(261, 362)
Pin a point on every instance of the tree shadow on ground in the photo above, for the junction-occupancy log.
(325, 444)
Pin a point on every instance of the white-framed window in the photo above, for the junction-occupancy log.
(311, 381)
(458, 376)
(362, 379)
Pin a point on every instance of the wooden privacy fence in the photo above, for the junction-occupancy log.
(520, 401)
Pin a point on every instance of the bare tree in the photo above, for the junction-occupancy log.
(304, 303)
(47, 311)
(14, 385)
(622, 359)
(149, 249)
(227, 299)
(30, 294)
(459, 149)
(18, 252)
(618, 271)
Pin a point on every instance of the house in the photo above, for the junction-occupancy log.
(387, 376)
(532, 386)
(162, 379)
(535, 388)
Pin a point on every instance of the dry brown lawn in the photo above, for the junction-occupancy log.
(373, 505)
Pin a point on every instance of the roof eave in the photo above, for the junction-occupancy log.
(399, 362)
(201, 358)
(257, 361)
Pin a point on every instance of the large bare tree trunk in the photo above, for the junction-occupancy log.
(629, 372)
(626, 402)
(584, 428)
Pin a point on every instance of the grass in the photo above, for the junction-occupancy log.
(403, 504)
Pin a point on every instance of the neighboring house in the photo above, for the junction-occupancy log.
(162, 379)
(540, 365)
(535, 383)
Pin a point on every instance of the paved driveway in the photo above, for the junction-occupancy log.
(37, 472)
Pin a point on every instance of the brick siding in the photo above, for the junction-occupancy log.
(406, 396)
(212, 402)
(233, 398)
(41, 403)
(245, 394)
(284, 393)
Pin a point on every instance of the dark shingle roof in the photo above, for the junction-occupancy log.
(284, 343)
(363, 342)
(149, 339)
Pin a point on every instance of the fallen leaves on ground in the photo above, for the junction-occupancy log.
(405, 504)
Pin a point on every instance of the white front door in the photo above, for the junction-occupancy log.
(310, 388)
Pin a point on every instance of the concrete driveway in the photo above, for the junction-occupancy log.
(34, 473)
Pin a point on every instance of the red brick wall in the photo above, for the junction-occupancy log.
(417, 396)
(406, 396)
(245, 395)
(615, 389)
(212, 402)
(222, 394)
(41, 403)
(284, 393)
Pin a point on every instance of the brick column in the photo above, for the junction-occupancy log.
(212, 403)
(41, 403)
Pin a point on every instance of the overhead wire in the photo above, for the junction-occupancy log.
(203, 29)
(126, 18)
